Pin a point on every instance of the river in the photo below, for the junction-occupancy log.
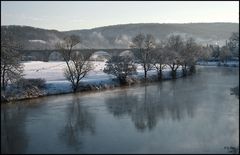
(196, 114)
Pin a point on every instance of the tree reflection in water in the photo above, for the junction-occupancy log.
(13, 135)
(78, 121)
(149, 104)
(235, 91)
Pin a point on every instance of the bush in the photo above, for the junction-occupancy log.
(192, 69)
(29, 83)
(225, 65)
(121, 67)
(235, 91)
(24, 88)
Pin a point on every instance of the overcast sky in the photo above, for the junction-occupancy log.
(84, 15)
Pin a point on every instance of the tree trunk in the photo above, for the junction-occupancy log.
(77, 84)
(70, 71)
(145, 72)
(184, 70)
(145, 75)
(122, 80)
(160, 75)
(174, 74)
(74, 89)
(192, 69)
(3, 80)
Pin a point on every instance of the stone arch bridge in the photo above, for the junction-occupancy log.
(43, 55)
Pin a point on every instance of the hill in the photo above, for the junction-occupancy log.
(34, 38)
(119, 36)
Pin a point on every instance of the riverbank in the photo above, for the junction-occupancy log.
(96, 80)
(64, 87)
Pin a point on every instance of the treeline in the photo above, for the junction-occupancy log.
(174, 52)
(229, 51)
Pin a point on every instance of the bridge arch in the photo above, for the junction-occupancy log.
(100, 56)
(55, 56)
(126, 53)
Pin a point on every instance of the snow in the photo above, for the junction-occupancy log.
(49, 71)
(218, 63)
(56, 83)
(53, 73)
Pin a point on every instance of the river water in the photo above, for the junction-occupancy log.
(196, 114)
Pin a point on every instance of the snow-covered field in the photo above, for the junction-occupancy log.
(53, 73)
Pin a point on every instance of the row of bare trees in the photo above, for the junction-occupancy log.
(173, 52)
(227, 52)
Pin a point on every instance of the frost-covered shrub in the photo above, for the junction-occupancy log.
(28, 83)
(225, 65)
(25, 88)
(235, 91)
(121, 66)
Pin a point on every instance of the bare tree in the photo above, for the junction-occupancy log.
(233, 44)
(215, 51)
(205, 53)
(11, 68)
(234, 39)
(77, 63)
(189, 55)
(144, 46)
(224, 54)
(121, 67)
(159, 59)
(174, 46)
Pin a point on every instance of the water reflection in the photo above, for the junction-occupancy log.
(188, 115)
(150, 104)
(13, 134)
(228, 70)
(78, 121)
